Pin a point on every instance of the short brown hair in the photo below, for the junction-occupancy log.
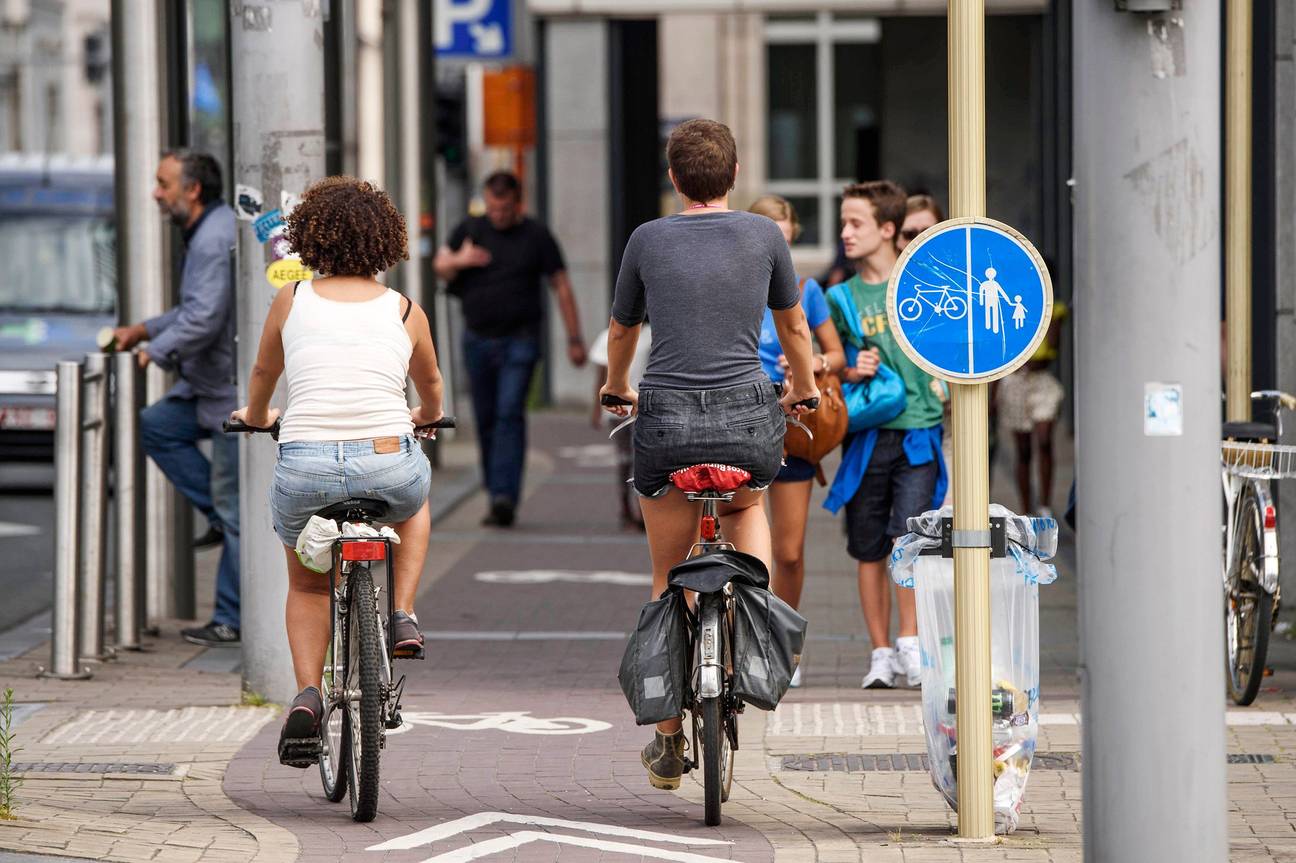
(704, 159)
(346, 227)
(888, 200)
(924, 204)
(779, 209)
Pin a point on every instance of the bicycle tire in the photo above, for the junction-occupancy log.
(713, 735)
(364, 656)
(1248, 608)
(335, 742)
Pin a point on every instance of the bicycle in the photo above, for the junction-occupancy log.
(951, 305)
(713, 707)
(361, 702)
(1251, 459)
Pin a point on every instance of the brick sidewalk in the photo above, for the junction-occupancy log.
(810, 782)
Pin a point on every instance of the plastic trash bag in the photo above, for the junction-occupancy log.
(1014, 649)
(315, 542)
(654, 667)
(768, 638)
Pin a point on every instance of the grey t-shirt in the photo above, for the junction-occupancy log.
(704, 281)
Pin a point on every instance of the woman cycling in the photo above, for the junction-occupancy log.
(346, 345)
(789, 496)
(704, 276)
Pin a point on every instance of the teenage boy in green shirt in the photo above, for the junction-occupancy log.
(899, 478)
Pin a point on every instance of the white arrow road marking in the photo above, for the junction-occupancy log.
(13, 528)
(515, 840)
(482, 819)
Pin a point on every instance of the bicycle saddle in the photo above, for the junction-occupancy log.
(355, 509)
(1252, 431)
(710, 477)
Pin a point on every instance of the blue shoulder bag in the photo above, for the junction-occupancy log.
(880, 399)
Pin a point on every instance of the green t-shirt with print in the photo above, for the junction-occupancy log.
(923, 408)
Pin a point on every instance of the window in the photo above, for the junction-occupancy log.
(824, 93)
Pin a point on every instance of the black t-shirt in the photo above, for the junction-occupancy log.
(506, 295)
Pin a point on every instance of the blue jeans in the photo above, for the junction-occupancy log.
(170, 432)
(499, 372)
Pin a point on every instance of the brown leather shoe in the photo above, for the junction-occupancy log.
(664, 760)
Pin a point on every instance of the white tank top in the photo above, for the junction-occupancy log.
(346, 366)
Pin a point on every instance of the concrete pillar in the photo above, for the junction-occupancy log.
(278, 106)
(1284, 48)
(1147, 300)
(579, 183)
(371, 141)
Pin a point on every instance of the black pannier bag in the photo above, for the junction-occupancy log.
(768, 637)
(654, 668)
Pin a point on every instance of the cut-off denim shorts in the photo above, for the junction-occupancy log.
(311, 475)
(740, 426)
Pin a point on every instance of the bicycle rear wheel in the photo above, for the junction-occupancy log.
(335, 726)
(365, 704)
(1248, 608)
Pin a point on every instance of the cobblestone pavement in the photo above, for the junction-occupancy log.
(526, 629)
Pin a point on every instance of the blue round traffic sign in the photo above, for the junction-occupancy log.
(970, 300)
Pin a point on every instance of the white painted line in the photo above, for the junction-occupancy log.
(1258, 717)
(569, 576)
(514, 635)
(482, 819)
(524, 837)
(13, 528)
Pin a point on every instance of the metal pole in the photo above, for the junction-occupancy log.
(410, 160)
(1147, 321)
(128, 474)
(970, 410)
(137, 129)
(67, 439)
(1237, 200)
(278, 100)
(93, 540)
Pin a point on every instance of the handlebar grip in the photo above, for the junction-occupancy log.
(611, 401)
(443, 423)
(239, 427)
(808, 404)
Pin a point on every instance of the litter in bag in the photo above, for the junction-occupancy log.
(768, 637)
(654, 667)
(1014, 649)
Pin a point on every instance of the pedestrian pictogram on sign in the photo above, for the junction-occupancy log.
(970, 300)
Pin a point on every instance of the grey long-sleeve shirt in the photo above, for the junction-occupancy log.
(196, 338)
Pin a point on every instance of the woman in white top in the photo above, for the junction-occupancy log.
(346, 345)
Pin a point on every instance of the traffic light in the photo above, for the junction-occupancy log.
(451, 127)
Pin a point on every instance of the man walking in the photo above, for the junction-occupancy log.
(196, 339)
(495, 264)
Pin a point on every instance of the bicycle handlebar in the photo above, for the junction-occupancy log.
(240, 427)
(443, 423)
(1285, 399)
(610, 401)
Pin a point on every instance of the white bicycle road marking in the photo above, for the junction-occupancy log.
(13, 528)
(446, 830)
(523, 837)
(571, 576)
(511, 721)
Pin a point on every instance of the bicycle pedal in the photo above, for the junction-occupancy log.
(408, 652)
(300, 751)
(394, 721)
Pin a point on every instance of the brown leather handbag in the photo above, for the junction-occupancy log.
(827, 424)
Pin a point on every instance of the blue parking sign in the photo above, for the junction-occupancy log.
(970, 300)
(473, 29)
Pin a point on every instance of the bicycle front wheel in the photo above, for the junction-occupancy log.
(714, 741)
(1248, 608)
(364, 706)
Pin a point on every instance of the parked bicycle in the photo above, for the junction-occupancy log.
(361, 701)
(713, 705)
(1252, 459)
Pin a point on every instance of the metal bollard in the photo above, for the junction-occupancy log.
(67, 433)
(94, 508)
(128, 469)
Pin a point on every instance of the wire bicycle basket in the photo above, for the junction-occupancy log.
(1258, 460)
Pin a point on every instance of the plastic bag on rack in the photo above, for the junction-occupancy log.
(315, 542)
(1014, 649)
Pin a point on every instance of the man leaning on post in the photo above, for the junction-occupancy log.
(196, 340)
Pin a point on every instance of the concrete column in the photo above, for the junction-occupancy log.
(1147, 300)
(1284, 48)
(371, 141)
(278, 106)
(576, 114)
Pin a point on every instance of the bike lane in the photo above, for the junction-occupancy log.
(516, 727)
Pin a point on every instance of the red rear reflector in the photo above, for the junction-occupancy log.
(709, 525)
(1271, 518)
(364, 551)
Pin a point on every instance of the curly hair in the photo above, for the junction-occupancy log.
(346, 227)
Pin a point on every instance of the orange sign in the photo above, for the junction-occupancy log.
(508, 97)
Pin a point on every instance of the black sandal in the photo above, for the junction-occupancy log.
(299, 740)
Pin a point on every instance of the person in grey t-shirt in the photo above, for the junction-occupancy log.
(704, 277)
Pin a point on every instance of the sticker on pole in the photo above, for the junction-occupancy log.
(970, 300)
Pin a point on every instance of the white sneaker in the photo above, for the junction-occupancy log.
(882, 669)
(908, 659)
(796, 678)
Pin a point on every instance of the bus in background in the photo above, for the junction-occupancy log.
(58, 285)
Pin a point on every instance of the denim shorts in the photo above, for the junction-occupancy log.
(311, 475)
(739, 426)
(891, 492)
